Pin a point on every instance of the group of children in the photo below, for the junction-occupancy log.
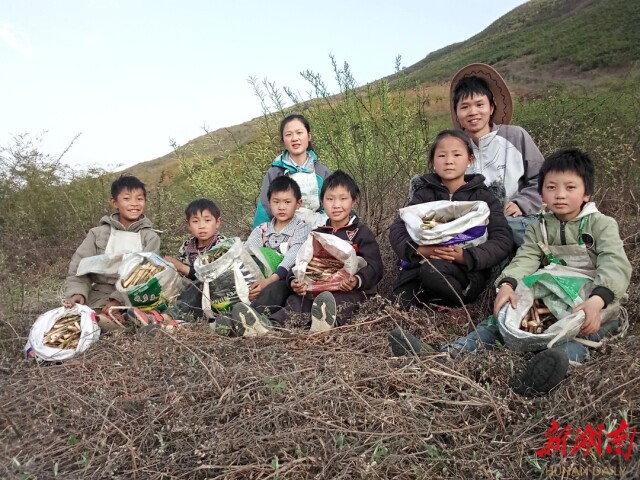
(271, 298)
(300, 195)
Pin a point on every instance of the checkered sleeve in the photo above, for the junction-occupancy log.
(300, 235)
(255, 238)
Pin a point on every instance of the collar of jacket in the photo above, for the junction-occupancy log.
(114, 221)
(353, 220)
(432, 180)
(280, 161)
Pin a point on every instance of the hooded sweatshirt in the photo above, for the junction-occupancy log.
(97, 289)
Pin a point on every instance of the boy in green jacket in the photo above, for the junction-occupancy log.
(573, 232)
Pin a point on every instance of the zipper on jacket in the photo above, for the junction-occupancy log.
(563, 238)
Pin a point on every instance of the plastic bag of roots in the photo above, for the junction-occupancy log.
(148, 281)
(545, 303)
(447, 223)
(324, 260)
(227, 271)
(61, 333)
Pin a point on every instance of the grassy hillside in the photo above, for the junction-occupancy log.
(539, 44)
(570, 35)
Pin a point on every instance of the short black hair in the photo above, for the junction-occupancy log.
(340, 179)
(127, 182)
(202, 205)
(569, 160)
(470, 86)
(284, 183)
(459, 134)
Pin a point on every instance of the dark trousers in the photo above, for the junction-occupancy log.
(188, 303)
(272, 299)
(346, 303)
(443, 283)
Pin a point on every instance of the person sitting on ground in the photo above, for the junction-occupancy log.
(203, 221)
(573, 233)
(339, 194)
(126, 230)
(452, 274)
(505, 155)
(300, 162)
(283, 235)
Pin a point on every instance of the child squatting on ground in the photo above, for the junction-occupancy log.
(339, 196)
(203, 221)
(126, 230)
(467, 271)
(574, 233)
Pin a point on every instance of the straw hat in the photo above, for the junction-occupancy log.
(501, 95)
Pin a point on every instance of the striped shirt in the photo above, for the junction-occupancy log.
(293, 234)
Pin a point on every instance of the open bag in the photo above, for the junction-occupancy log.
(461, 223)
(561, 289)
(38, 346)
(326, 246)
(156, 290)
(227, 271)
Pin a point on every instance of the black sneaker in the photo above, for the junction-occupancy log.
(404, 343)
(323, 313)
(252, 322)
(544, 371)
(226, 326)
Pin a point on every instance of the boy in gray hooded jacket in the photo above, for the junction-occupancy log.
(126, 230)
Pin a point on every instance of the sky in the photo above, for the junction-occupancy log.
(130, 76)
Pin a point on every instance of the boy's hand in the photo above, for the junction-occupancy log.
(71, 301)
(110, 303)
(512, 210)
(591, 308)
(299, 287)
(505, 294)
(259, 285)
(348, 284)
(449, 254)
(178, 265)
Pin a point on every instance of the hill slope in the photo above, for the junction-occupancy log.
(540, 43)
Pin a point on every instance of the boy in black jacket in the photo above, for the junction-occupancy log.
(467, 271)
(339, 195)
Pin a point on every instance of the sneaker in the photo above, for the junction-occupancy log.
(323, 313)
(252, 323)
(544, 371)
(141, 319)
(404, 343)
(108, 324)
(226, 326)
(147, 331)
